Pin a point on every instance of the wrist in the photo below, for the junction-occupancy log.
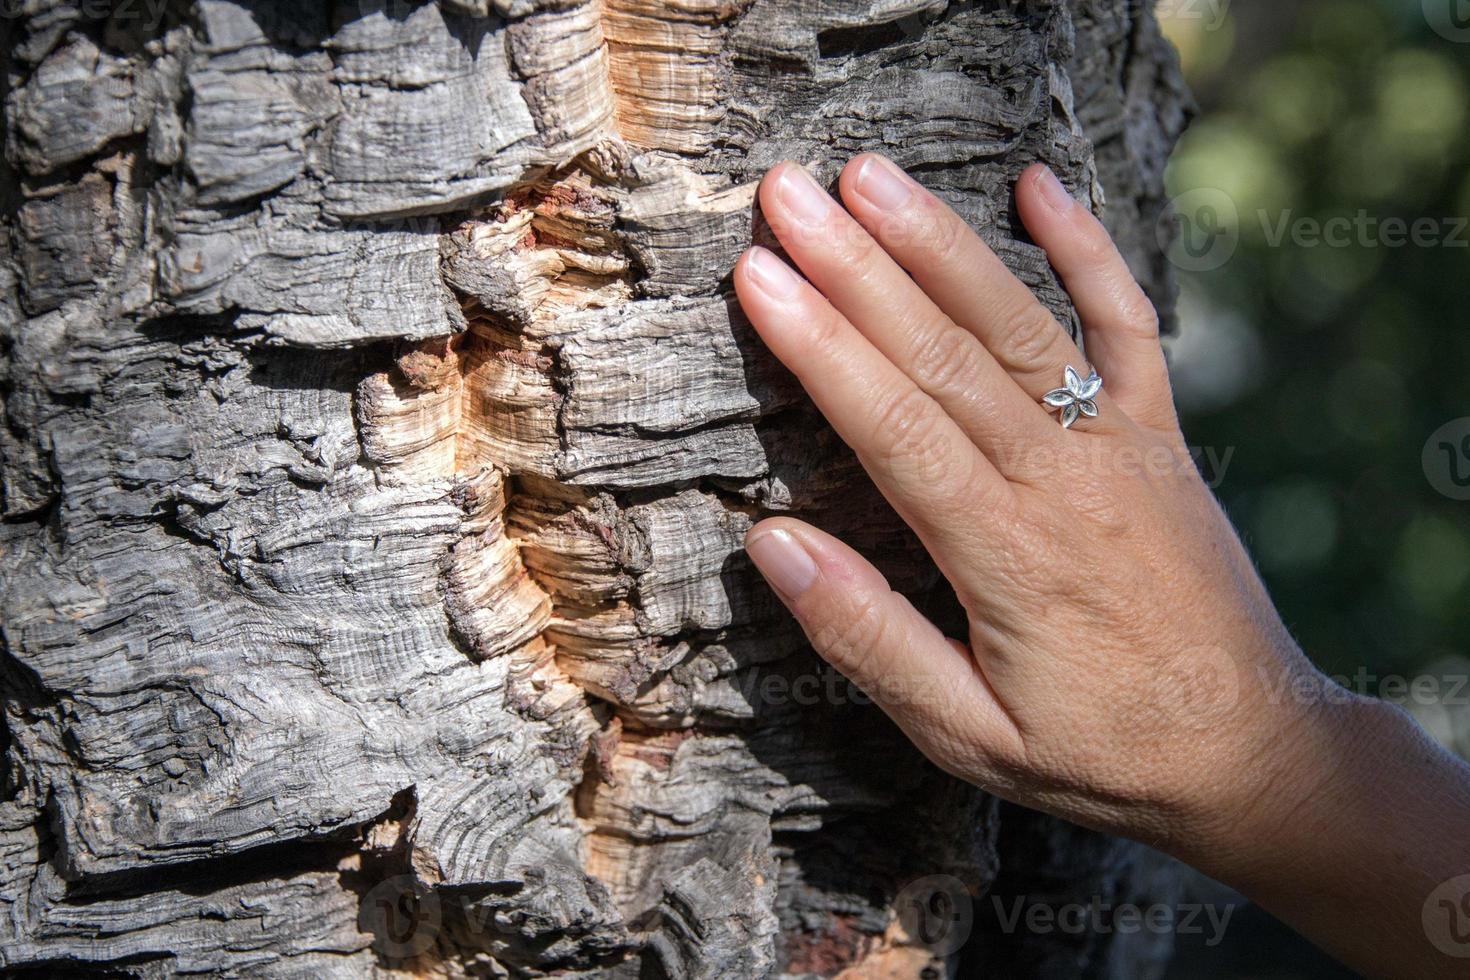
(1357, 820)
(1296, 753)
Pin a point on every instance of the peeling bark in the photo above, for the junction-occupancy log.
(380, 432)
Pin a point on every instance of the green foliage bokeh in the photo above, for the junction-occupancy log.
(1355, 350)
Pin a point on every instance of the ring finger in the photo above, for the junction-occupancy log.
(966, 280)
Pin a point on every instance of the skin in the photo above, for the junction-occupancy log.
(1125, 668)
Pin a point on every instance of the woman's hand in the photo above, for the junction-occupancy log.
(1124, 666)
(1112, 612)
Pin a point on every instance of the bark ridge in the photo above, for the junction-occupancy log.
(380, 433)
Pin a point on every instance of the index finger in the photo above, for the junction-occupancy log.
(921, 460)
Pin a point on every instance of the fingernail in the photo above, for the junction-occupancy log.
(881, 182)
(773, 276)
(801, 195)
(783, 562)
(1053, 193)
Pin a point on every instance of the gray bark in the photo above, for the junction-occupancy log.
(380, 431)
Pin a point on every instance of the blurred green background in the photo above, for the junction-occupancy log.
(1322, 367)
(1327, 365)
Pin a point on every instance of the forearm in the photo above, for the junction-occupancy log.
(1358, 823)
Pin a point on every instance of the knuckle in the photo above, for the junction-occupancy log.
(945, 358)
(1035, 555)
(937, 469)
(956, 476)
(1139, 313)
(851, 642)
(902, 419)
(1030, 336)
(1103, 513)
(1096, 252)
(825, 334)
(936, 236)
(910, 428)
(856, 249)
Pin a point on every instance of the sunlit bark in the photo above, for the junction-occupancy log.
(380, 434)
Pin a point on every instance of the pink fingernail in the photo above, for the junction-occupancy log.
(783, 561)
(1053, 193)
(880, 181)
(799, 192)
(771, 275)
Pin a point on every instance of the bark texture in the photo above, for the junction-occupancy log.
(380, 432)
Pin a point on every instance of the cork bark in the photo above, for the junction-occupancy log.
(379, 434)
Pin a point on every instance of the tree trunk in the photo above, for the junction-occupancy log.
(380, 434)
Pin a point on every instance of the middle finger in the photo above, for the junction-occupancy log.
(859, 278)
(964, 278)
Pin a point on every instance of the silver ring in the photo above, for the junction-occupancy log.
(1076, 399)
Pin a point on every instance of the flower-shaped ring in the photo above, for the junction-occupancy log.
(1076, 398)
